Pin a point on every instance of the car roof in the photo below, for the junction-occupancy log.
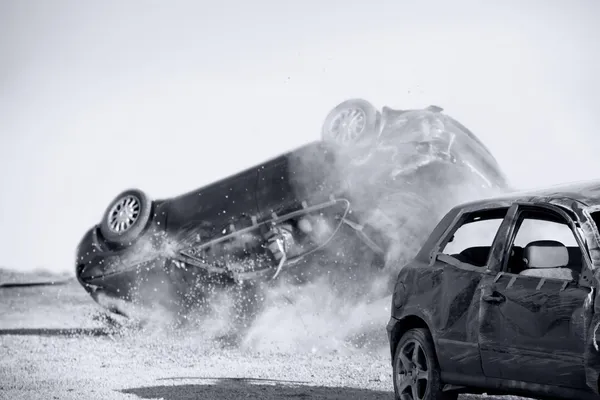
(586, 193)
(582, 194)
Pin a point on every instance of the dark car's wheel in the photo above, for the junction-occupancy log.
(416, 369)
(351, 122)
(126, 217)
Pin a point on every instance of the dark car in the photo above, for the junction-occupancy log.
(315, 210)
(503, 298)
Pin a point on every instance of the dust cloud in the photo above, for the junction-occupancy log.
(400, 203)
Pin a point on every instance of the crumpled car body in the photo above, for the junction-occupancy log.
(503, 298)
(314, 210)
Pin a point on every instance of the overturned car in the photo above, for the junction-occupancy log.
(332, 207)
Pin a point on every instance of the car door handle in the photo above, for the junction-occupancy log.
(495, 298)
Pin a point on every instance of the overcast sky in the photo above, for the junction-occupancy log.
(96, 97)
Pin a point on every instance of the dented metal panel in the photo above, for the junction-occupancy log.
(523, 326)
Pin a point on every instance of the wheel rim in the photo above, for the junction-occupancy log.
(123, 215)
(412, 377)
(348, 125)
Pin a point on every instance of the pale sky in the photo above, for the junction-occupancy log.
(96, 97)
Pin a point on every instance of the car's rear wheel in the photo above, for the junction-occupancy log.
(126, 217)
(416, 369)
(351, 122)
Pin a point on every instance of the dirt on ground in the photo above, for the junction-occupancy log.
(56, 343)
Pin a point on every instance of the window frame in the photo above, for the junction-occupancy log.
(458, 222)
(572, 224)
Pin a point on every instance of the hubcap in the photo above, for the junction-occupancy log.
(412, 368)
(124, 214)
(348, 125)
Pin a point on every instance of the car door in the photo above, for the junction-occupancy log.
(274, 191)
(532, 328)
(305, 175)
(209, 210)
(460, 261)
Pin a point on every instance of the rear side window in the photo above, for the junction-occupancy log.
(540, 233)
(535, 229)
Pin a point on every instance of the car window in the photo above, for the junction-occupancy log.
(533, 229)
(473, 234)
(472, 241)
(544, 246)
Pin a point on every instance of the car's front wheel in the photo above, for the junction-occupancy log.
(126, 217)
(416, 369)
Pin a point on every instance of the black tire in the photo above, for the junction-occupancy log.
(428, 388)
(363, 119)
(124, 233)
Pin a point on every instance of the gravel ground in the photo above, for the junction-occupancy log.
(56, 344)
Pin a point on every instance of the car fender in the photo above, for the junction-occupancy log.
(418, 312)
(400, 323)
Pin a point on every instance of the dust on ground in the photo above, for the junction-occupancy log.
(56, 343)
